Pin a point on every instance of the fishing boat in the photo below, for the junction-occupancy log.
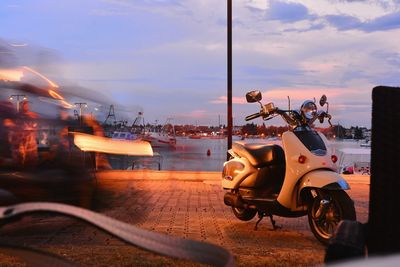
(135, 132)
(195, 136)
(125, 135)
(161, 137)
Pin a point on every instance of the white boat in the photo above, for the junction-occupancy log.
(133, 133)
(125, 135)
(161, 138)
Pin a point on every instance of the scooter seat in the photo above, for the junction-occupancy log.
(260, 155)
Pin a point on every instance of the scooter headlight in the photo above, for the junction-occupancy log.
(231, 169)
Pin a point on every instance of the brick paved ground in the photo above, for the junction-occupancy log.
(183, 208)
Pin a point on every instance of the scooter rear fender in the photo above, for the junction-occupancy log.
(236, 171)
(324, 179)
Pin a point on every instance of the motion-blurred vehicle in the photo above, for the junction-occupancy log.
(61, 171)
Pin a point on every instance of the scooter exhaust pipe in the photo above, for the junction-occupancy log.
(234, 200)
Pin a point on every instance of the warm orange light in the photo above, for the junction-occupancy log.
(302, 159)
(59, 97)
(52, 84)
(65, 104)
(11, 75)
(92, 143)
(334, 158)
(55, 95)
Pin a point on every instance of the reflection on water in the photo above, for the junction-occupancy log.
(191, 155)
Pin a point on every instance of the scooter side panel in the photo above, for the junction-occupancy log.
(295, 170)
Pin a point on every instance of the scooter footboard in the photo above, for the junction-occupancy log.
(324, 179)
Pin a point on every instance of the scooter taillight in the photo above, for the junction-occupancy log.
(334, 158)
(302, 159)
(231, 169)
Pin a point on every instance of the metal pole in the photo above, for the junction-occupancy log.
(81, 105)
(229, 72)
(17, 104)
(18, 100)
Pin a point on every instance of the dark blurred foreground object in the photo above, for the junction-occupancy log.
(58, 185)
(163, 244)
(384, 203)
(381, 235)
(61, 173)
(348, 242)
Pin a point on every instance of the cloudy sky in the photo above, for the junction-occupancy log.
(169, 57)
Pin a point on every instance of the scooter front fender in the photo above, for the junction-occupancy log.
(324, 179)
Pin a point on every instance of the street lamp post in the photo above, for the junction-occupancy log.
(80, 105)
(18, 98)
(229, 73)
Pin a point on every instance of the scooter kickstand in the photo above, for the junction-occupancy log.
(260, 217)
(273, 222)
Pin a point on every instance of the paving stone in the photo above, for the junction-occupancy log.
(187, 209)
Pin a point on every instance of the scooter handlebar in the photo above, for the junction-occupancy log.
(324, 115)
(329, 119)
(252, 116)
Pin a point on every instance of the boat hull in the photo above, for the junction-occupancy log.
(161, 141)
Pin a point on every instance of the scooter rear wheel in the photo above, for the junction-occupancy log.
(323, 221)
(244, 214)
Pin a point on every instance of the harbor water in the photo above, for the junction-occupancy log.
(206, 154)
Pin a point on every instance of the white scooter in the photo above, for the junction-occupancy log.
(298, 180)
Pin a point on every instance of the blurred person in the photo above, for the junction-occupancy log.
(59, 152)
(22, 137)
(67, 162)
(101, 159)
(62, 140)
(7, 117)
(63, 134)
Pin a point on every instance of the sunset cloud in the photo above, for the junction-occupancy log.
(297, 94)
(192, 115)
(223, 99)
(169, 57)
(287, 12)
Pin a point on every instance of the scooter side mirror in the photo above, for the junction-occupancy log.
(322, 101)
(253, 96)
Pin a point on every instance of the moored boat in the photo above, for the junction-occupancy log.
(163, 137)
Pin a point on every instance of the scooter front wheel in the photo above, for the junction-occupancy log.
(244, 214)
(327, 209)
